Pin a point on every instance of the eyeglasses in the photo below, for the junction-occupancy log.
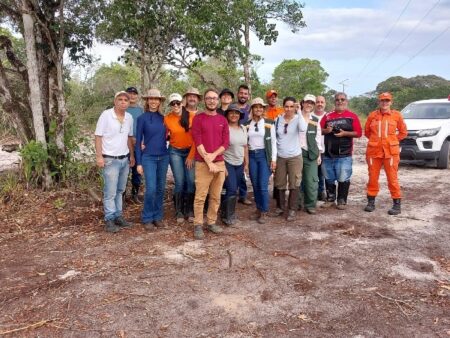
(385, 100)
(285, 127)
(340, 100)
(175, 103)
(211, 98)
(256, 127)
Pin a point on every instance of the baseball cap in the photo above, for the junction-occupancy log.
(385, 96)
(271, 92)
(132, 90)
(121, 93)
(226, 91)
(310, 97)
(175, 97)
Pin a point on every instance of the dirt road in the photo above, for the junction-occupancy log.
(345, 274)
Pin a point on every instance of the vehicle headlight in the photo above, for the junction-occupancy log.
(428, 132)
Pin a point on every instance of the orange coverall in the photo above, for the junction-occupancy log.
(384, 131)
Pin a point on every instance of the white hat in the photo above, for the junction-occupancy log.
(175, 97)
(154, 93)
(121, 93)
(310, 97)
(258, 100)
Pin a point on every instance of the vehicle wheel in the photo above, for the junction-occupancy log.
(444, 156)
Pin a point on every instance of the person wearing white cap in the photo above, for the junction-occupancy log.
(153, 159)
(113, 146)
(181, 153)
(311, 143)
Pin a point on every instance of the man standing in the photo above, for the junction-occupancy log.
(339, 127)
(211, 137)
(226, 97)
(272, 110)
(135, 111)
(243, 97)
(319, 113)
(192, 97)
(113, 146)
(385, 129)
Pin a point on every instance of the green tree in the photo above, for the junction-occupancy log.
(299, 77)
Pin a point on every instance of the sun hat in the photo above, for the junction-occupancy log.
(193, 91)
(154, 93)
(257, 100)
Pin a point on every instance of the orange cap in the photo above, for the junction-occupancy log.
(271, 92)
(385, 96)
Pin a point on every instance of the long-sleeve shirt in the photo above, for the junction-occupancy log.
(178, 137)
(288, 135)
(150, 129)
(212, 132)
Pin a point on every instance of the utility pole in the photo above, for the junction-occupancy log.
(343, 85)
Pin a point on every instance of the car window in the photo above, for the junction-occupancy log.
(427, 111)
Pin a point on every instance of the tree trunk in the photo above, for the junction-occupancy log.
(246, 61)
(142, 63)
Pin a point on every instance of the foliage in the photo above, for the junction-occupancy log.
(34, 161)
(299, 77)
(363, 105)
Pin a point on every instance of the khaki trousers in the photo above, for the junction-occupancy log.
(206, 183)
(288, 172)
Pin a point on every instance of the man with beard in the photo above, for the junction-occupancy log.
(192, 97)
(211, 137)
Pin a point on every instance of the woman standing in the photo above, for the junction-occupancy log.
(288, 127)
(181, 153)
(236, 160)
(152, 158)
(262, 156)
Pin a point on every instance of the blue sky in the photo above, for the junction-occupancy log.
(362, 42)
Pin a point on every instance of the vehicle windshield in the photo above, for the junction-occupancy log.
(427, 111)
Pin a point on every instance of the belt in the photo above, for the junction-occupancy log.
(256, 151)
(115, 157)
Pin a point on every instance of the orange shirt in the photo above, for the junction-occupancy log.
(178, 137)
(273, 112)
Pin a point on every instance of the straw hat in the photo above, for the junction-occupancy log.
(154, 93)
(258, 100)
(193, 91)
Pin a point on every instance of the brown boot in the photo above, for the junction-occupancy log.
(281, 202)
(293, 204)
(262, 218)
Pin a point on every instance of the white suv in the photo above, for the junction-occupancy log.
(428, 140)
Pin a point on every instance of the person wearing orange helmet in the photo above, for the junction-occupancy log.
(385, 129)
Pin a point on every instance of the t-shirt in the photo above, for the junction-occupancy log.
(211, 131)
(135, 112)
(238, 141)
(114, 133)
(288, 143)
(246, 110)
(178, 136)
(151, 130)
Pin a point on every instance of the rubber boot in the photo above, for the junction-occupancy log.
(135, 194)
(189, 206)
(178, 201)
(396, 207)
(343, 188)
(331, 192)
(293, 204)
(281, 202)
(370, 204)
(228, 208)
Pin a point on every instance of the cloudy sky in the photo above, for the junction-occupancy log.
(362, 42)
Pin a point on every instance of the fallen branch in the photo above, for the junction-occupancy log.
(188, 256)
(259, 272)
(230, 259)
(398, 302)
(413, 218)
(30, 326)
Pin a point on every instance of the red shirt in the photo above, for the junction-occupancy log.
(211, 131)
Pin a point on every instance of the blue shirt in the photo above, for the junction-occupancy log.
(246, 110)
(151, 129)
(135, 112)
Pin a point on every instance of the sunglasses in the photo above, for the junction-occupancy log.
(285, 127)
(340, 100)
(256, 127)
(175, 103)
(310, 102)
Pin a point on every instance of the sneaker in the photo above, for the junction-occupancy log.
(278, 212)
(341, 205)
(180, 218)
(111, 227)
(198, 232)
(214, 228)
(262, 218)
(311, 211)
(149, 226)
(244, 201)
(121, 222)
(291, 216)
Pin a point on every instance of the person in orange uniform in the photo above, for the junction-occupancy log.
(272, 111)
(181, 154)
(385, 129)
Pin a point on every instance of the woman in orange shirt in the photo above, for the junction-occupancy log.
(181, 151)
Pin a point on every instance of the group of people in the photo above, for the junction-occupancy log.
(211, 153)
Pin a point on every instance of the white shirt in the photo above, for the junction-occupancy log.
(114, 133)
(256, 138)
(322, 140)
(319, 138)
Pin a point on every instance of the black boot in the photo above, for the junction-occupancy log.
(370, 204)
(331, 191)
(293, 204)
(281, 202)
(135, 194)
(228, 208)
(178, 201)
(343, 188)
(189, 206)
(396, 207)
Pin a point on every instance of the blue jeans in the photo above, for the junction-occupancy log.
(232, 179)
(337, 169)
(242, 183)
(184, 178)
(259, 175)
(115, 176)
(155, 171)
(135, 176)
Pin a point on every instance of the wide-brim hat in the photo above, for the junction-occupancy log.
(193, 91)
(235, 107)
(257, 100)
(154, 93)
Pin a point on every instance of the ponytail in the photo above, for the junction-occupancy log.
(184, 121)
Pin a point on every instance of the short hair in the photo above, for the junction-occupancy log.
(210, 90)
(289, 98)
(243, 86)
(340, 94)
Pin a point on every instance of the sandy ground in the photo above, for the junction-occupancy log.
(335, 274)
